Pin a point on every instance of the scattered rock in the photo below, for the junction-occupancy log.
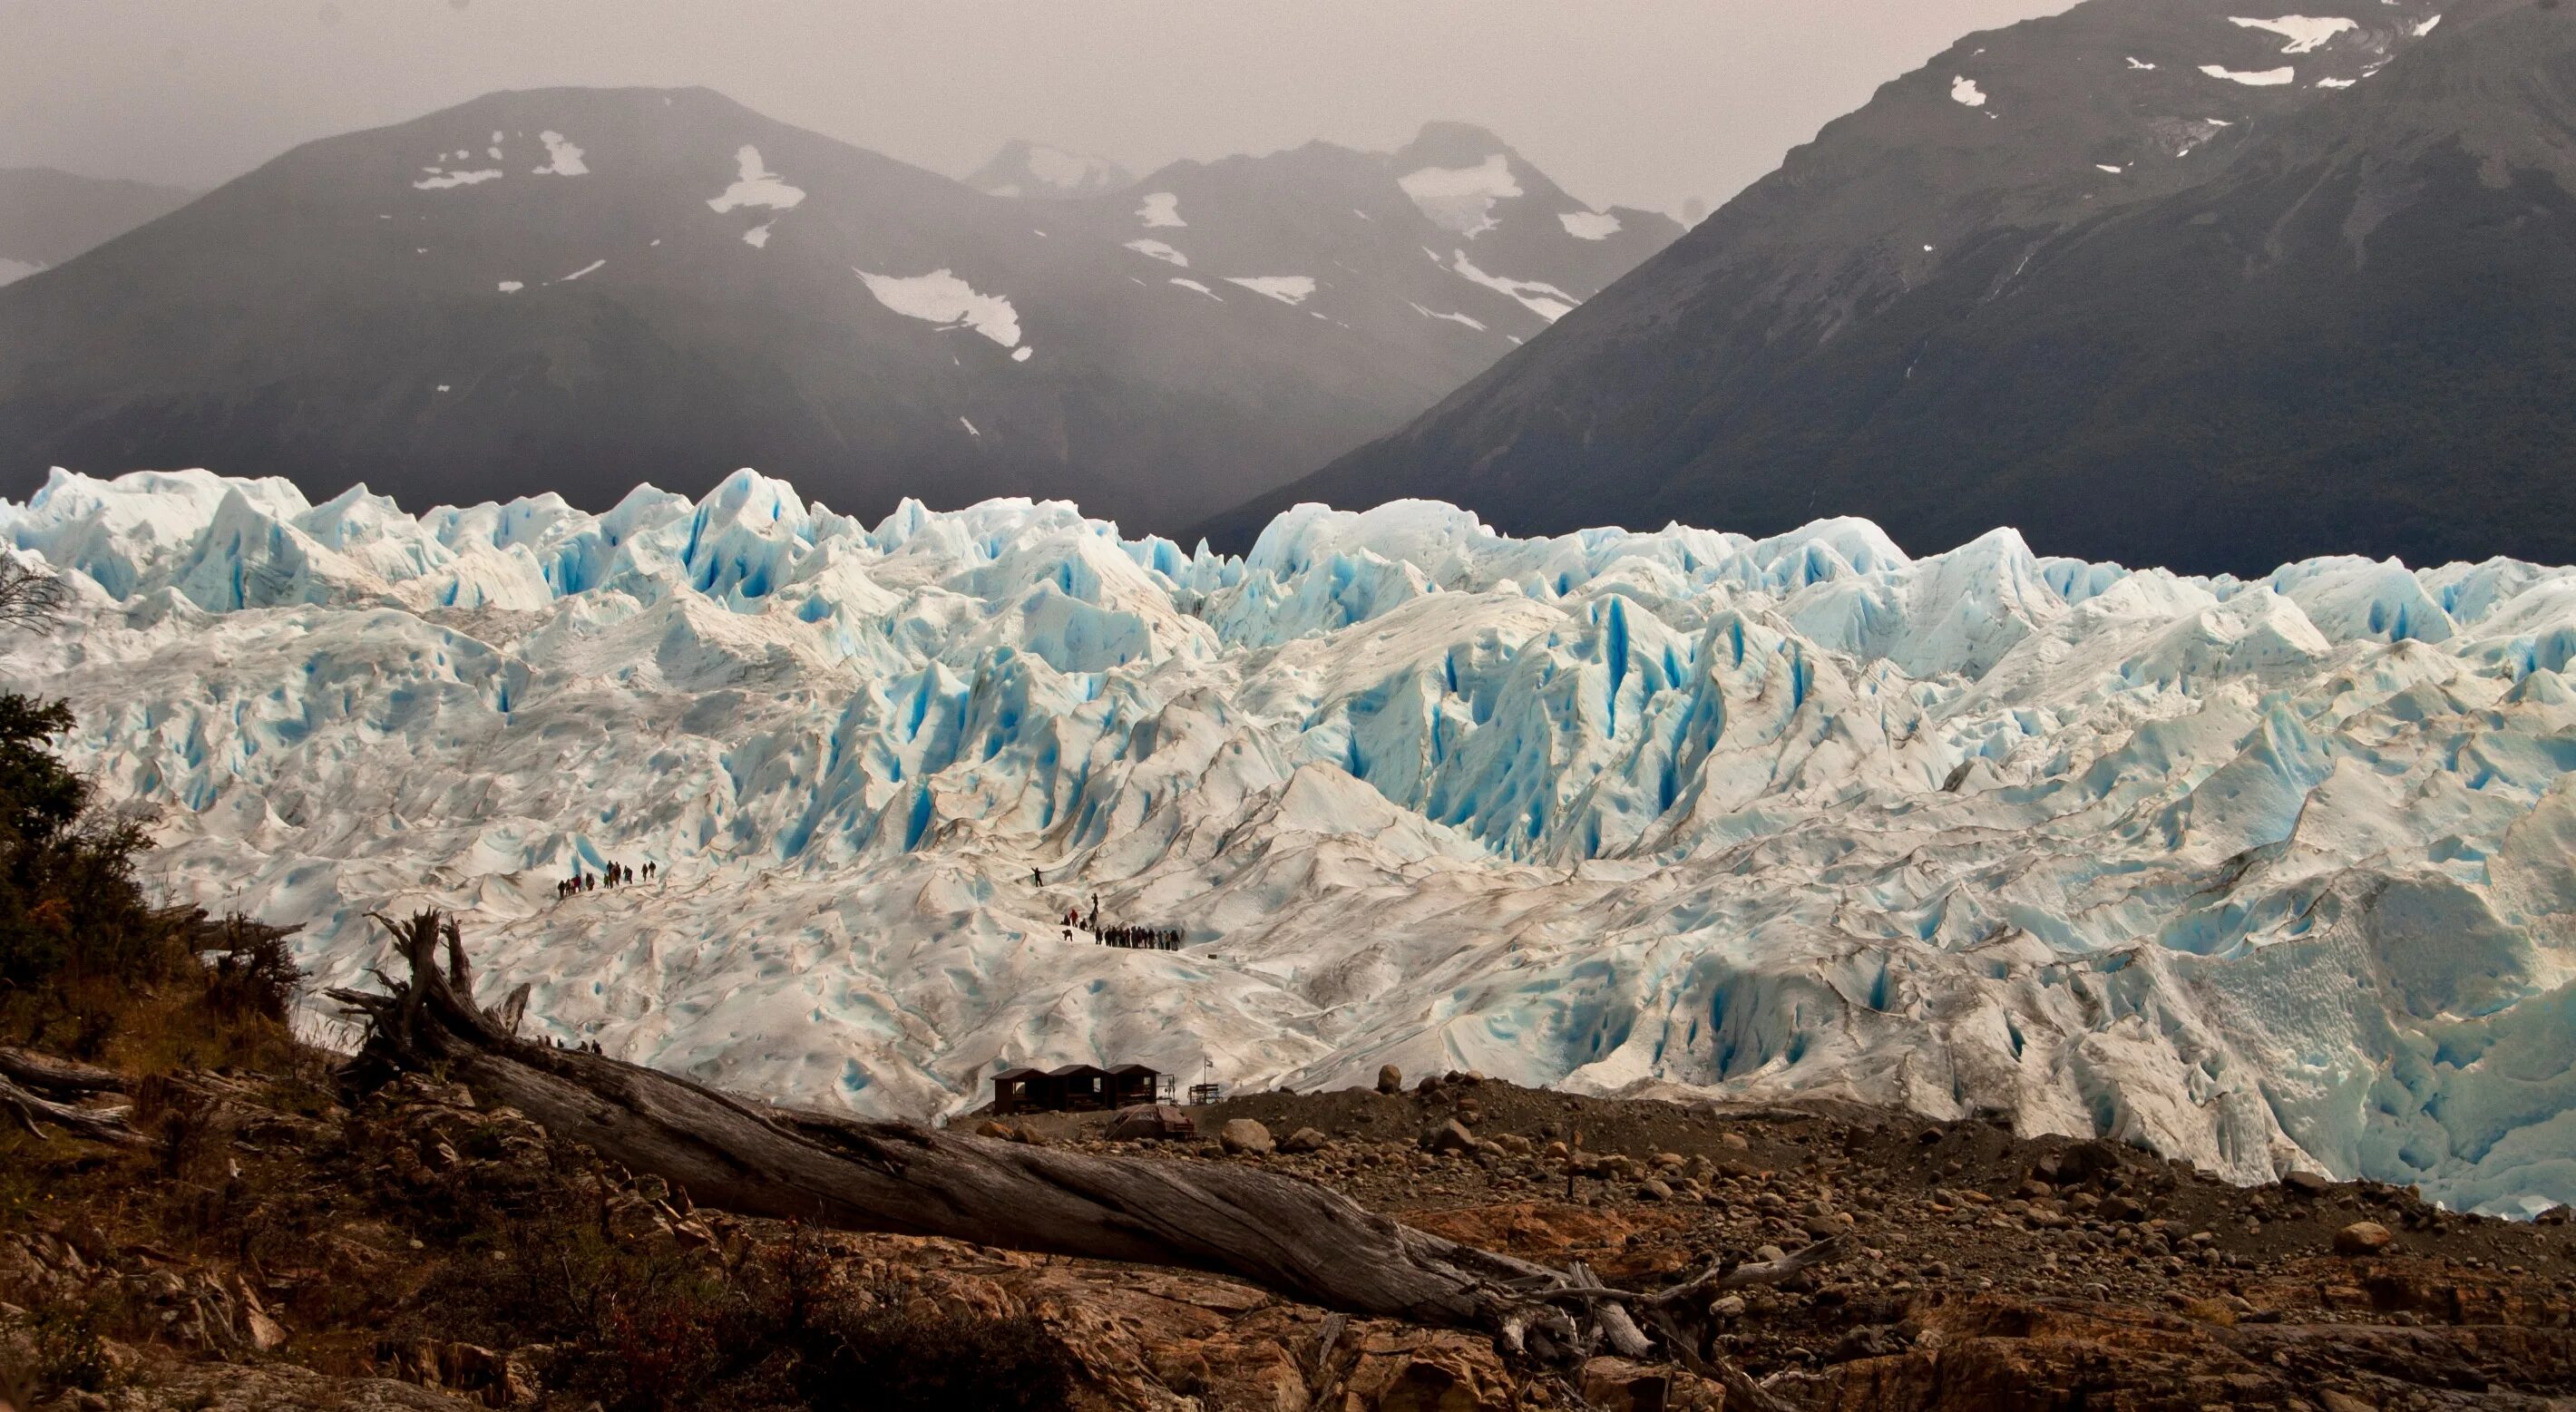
(1243, 1137)
(1390, 1079)
(2306, 1183)
(2362, 1238)
(1304, 1140)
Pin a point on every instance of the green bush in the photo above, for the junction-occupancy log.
(76, 932)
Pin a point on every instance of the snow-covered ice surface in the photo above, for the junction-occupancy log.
(2260, 874)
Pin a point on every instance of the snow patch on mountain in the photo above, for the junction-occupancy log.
(2305, 33)
(1965, 93)
(1472, 323)
(1287, 289)
(1157, 250)
(940, 297)
(2264, 78)
(1161, 208)
(16, 269)
(562, 157)
(1545, 300)
(1589, 225)
(2261, 874)
(1461, 199)
(440, 179)
(755, 185)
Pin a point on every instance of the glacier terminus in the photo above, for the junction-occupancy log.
(2263, 874)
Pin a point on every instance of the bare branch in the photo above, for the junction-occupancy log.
(29, 598)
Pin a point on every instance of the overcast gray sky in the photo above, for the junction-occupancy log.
(1637, 102)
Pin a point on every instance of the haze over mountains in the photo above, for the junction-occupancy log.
(2168, 281)
(576, 289)
(49, 216)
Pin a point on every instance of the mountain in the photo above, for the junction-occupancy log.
(2154, 280)
(1042, 173)
(2262, 875)
(49, 216)
(596, 286)
(1455, 236)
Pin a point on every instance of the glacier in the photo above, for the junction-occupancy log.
(2263, 874)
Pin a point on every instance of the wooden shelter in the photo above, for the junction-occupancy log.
(1079, 1088)
(1020, 1090)
(1136, 1083)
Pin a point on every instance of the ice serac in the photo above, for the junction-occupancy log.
(2265, 874)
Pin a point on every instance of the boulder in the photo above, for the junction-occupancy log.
(2362, 1238)
(1304, 1140)
(1390, 1079)
(1243, 1137)
(1617, 1385)
(1152, 1122)
(2306, 1183)
(1451, 1136)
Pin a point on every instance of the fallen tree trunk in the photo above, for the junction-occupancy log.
(57, 1078)
(96, 1124)
(1296, 1238)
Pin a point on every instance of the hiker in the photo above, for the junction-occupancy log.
(1038, 876)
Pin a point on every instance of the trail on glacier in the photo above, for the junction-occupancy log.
(2261, 874)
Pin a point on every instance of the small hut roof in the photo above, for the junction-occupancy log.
(1019, 1075)
(1075, 1071)
(1125, 1070)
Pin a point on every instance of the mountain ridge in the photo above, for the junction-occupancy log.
(609, 283)
(1869, 329)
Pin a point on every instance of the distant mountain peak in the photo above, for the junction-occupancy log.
(1036, 171)
(1450, 143)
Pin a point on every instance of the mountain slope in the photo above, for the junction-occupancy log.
(604, 285)
(2153, 313)
(49, 216)
(2259, 874)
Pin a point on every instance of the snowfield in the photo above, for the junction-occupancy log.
(2263, 874)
